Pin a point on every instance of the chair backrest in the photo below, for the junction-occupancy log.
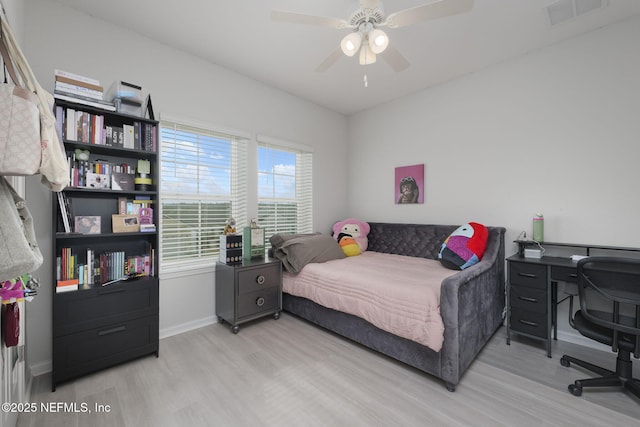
(609, 289)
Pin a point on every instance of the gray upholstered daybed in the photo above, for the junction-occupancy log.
(471, 303)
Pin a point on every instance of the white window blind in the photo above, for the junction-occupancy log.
(204, 183)
(285, 191)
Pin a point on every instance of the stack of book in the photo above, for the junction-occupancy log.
(81, 90)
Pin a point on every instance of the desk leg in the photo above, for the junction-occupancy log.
(554, 305)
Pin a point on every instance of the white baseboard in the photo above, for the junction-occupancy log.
(186, 327)
(582, 341)
(45, 367)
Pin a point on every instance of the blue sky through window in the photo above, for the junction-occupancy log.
(276, 173)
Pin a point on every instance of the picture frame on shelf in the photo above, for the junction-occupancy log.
(125, 223)
(87, 224)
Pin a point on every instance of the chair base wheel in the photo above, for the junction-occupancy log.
(565, 362)
(575, 390)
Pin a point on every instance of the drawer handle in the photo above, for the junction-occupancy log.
(110, 291)
(574, 276)
(260, 302)
(530, 275)
(529, 323)
(112, 331)
(260, 280)
(528, 299)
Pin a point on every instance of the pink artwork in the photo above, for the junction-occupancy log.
(409, 184)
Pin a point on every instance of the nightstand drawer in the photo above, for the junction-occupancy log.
(532, 299)
(528, 275)
(529, 322)
(256, 279)
(262, 301)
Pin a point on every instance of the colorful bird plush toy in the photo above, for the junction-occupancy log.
(464, 247)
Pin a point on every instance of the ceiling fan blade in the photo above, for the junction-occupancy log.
(330, 60)
(395, 59)
(299, 18)
(434, 10)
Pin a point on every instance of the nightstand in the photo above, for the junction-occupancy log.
(248, 291)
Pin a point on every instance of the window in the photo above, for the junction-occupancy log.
(284, 188)
(204, 183)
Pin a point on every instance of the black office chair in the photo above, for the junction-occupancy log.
(609, 293)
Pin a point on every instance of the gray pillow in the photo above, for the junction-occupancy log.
(277, 240)
(296, 252)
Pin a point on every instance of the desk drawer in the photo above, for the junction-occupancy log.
(531, 299)
(529, 322)
(528, 274)
(564, 274)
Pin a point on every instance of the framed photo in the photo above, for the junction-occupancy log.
(409, 186)
(87, 224)
(125, 223)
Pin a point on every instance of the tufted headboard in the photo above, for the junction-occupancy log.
(419, 240)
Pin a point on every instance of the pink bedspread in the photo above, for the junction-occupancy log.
(398, 294)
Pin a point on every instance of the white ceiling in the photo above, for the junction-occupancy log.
(240, 35)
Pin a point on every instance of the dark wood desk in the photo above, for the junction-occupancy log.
(532, 291)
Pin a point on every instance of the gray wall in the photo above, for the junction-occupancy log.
(556, 131)
(181, 86)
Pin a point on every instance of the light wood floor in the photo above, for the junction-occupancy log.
(290, 373)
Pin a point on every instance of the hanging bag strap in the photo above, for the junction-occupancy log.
(6, 59)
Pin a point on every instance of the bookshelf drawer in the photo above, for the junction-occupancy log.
(85, 309)
(84, 352)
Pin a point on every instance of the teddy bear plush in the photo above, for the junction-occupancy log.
(351, 235)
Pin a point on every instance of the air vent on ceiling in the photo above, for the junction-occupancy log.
(565, 10)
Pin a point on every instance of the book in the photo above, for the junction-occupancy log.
(122, 182)
(68, 81)
(129, 136)
(63, 212)
(78, 90)
(67, 285)
(104, 105)
(77, 77)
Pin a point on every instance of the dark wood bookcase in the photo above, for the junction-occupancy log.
(96, 325)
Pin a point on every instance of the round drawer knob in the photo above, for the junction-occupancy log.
(260, 302)
(260, 279)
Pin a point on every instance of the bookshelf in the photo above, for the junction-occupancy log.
(105, 262)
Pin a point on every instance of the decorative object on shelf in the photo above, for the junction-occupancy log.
(143, 180)
(253, 240)
(231, 249)
(87, 224)
(125, 223)
(19, 251)
(146, 216)
(229, 227)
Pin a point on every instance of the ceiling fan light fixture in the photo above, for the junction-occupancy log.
(378, 40)
(350, 44)
(367, 56)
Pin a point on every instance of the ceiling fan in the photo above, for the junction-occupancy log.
(366, 21)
